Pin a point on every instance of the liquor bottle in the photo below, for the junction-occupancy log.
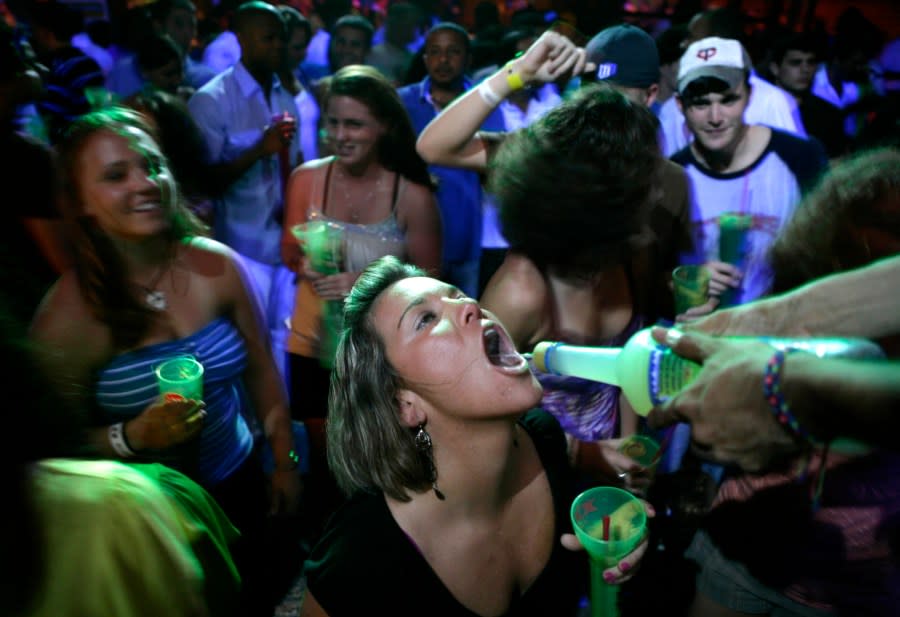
(649, 373)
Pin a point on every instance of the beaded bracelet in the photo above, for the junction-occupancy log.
(118, 441)
(775, 397)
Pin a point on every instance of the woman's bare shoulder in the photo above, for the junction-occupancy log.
(519, 275)
(314, 165)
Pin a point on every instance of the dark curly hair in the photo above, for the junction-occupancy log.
(574, 187)
(850, 219)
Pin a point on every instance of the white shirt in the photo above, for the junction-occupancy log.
(223, 52)
(232, 113)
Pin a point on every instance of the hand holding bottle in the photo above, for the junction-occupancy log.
(730, 420)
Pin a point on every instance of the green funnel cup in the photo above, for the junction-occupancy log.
(733, 230)
(322, 242)
(610, 523)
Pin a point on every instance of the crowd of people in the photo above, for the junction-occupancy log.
(375, 428)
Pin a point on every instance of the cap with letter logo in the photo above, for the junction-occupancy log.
(624, 55)
(724, 59)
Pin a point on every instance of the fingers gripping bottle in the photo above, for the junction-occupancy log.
(649, 373)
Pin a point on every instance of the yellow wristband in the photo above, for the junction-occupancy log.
(513, 78)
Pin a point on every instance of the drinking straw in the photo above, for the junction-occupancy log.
(662, 447)
(606, 528)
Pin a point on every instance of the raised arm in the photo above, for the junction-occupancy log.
(452, 138)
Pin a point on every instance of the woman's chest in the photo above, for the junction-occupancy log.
(488, 567)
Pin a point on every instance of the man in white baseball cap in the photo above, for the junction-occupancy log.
(769, 104)
(734, 167)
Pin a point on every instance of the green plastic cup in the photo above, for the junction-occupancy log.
(691, 284)
(733, 230)
(181, 376)
(610, 523)
(641, 449)
(322, 242)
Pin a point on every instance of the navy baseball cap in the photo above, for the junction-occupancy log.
(624, 55)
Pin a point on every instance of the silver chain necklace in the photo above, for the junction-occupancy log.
(155, 298)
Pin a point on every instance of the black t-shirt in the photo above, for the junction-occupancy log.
(825, 122)
(365, 564)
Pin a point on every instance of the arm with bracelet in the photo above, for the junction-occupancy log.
(754, 406)
(452, 138)
(66, 351)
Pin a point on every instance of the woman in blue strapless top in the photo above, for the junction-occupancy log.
(146, 287)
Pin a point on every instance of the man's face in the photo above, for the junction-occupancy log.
(181, 25)
(295, 49)
(262, 43)
(717, 119)
(796, 70)
(348, 46)
(445, 57)
(167, 77)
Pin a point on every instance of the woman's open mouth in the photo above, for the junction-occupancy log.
(500, 350)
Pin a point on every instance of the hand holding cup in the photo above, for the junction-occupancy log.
(166, 423)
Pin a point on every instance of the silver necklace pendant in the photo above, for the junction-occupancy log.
(156, 300)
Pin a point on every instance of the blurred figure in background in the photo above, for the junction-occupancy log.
(447, 55)
(74, 82)
(793, 63)
(249, 122)
(298, 31)
(392, 57)
(669, 45)
(176, 19)
(33, 250)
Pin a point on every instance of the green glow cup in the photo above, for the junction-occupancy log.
(322, 242)
(641, 449)
(610, 523)
(733, 230)
(691, 283)
(181, 376)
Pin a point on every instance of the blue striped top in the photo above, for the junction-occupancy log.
(127, 385)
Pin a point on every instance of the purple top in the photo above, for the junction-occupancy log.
(587, 410)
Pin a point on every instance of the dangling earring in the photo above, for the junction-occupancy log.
(423, 445)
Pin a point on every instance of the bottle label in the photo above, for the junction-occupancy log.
(668, 374)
